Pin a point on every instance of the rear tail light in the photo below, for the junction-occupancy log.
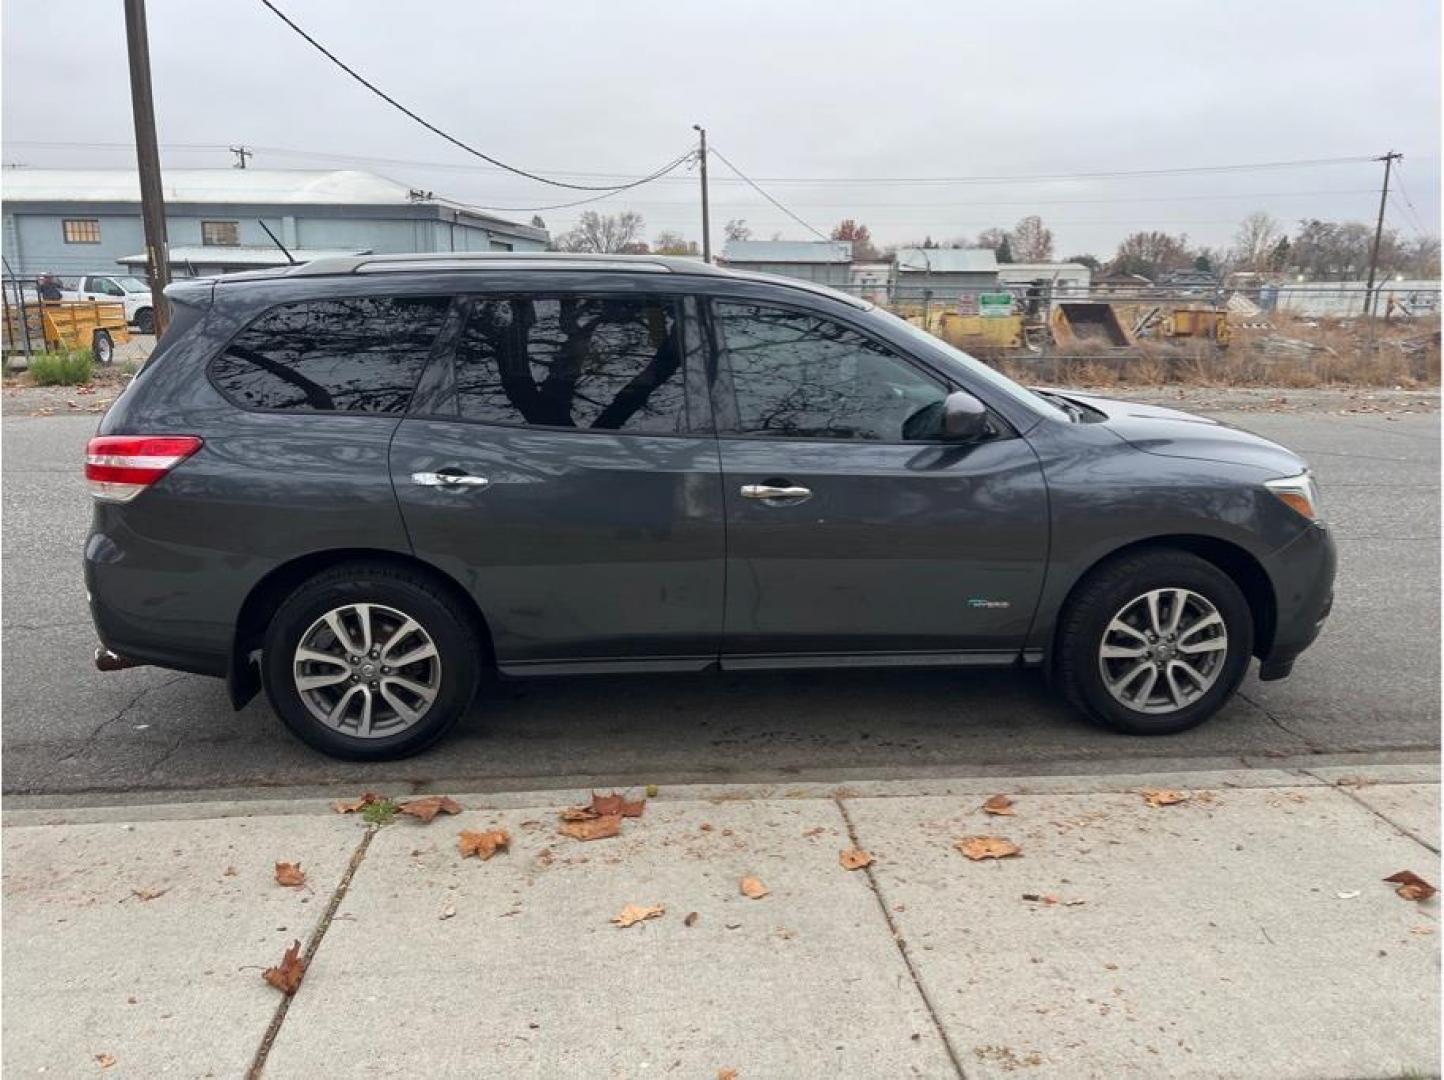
(120, 467)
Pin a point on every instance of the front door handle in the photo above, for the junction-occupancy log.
(451, 480)
(775, 496)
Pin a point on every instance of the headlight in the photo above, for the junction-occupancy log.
(1300, 492)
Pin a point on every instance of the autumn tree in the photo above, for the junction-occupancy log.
(858, 235)
(1030, 241)
(605, 233)
(673, 243)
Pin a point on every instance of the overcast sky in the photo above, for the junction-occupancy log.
(832, 89)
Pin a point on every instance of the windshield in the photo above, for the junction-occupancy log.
(132, 284)
(974, 366)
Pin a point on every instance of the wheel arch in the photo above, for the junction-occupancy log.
(243, 679)
(1242, 567)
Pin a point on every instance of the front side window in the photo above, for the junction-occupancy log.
(357, 354)
(609, 363)
(220, 233)
(80, 230)
(803, 376)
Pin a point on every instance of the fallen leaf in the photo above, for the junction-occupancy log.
(597, 828)
(986, 847)
(1000, 805)
(578, 813)
(148, 894)
(287, 977)
(726, 1074)
(854, 859)
(1411, 885)
(230, 871)
(753, 889)
(691, 919)
(447, 912)
(608, 805)
(351, 806)
(816, 830)
(483, 844)
(105, 1061)
(429, 807)
(635, 913)
(290, 874)
(1162, 796)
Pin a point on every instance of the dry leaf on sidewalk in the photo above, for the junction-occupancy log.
(429, 807)
(635, 913)
(1000, 805)
(1163, 796)
(607, 805)
(351, 806)
(854, 859)
(596, 828)
(1411, 885)
(105, 1061)
(726, 1074)
(149, 894)
(691, 919)
(986, 847)
(753, 889)
(290, 874)
(287, 977)
(483, 844)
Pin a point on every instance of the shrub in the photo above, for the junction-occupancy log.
(71, 368)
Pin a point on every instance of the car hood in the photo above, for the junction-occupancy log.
(1155, 429)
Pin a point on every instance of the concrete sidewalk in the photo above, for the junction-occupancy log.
(1244, 932)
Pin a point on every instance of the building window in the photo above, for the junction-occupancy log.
(497, 245)
(220, 233)
(81, 230)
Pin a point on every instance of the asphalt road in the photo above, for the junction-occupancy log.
(1370, 686)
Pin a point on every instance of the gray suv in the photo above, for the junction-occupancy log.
(364, 483)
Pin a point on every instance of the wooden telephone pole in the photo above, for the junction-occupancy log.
(147, 152)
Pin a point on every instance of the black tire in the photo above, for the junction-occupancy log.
(1103, 593)
(102, 347)
(145, 321)
(451, 627)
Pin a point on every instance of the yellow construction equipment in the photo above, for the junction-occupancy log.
(1075, 322)
(1193, 322)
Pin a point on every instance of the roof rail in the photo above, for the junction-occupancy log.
(498, 260)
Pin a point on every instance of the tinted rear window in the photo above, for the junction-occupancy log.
(358, 354)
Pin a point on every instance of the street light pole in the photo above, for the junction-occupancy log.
(706, 224)
(147, 152)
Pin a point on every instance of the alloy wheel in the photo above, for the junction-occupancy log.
(1163, 650)
(367, 670)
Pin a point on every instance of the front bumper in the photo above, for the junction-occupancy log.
(1303, 578)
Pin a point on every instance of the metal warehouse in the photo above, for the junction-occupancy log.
(76, 221)
(944, 274)
(828, 262)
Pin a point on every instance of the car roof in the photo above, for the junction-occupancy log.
(530, 261)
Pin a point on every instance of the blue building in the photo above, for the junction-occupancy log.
(78, 221)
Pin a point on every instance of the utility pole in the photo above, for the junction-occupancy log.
(706, 225)
(147, 153)
(241, 152)
(1388, 160)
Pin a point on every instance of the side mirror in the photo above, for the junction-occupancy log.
(964, 416)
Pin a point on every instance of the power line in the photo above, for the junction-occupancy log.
(688, 156)
(1414, 214)
(445, 135)
(723, 158)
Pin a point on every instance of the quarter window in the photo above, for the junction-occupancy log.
(220, 233)
(359, 354)
(604, 363)
(80, 230)
(801, 376)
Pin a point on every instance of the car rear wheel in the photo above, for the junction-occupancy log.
(370, 662)
(145, 321)
(102, 347)
(1154, 643)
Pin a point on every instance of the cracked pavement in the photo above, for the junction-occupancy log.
(1369, 687)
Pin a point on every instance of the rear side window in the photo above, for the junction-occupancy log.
(358, 354)
(610, 363)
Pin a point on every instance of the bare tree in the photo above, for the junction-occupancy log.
(1254, 242)
(673, 243)
(990, 239)
(1031, 242)
(1151, 254)
(737, 229)
(608, 234)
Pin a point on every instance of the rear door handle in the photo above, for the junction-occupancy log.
(445, 479)
(767, 493)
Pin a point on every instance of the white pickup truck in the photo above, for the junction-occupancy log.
(130, 291)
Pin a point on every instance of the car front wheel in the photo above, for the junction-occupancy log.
(370, 662)
(1154, 643)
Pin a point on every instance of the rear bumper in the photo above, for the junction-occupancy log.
(1303, 578)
